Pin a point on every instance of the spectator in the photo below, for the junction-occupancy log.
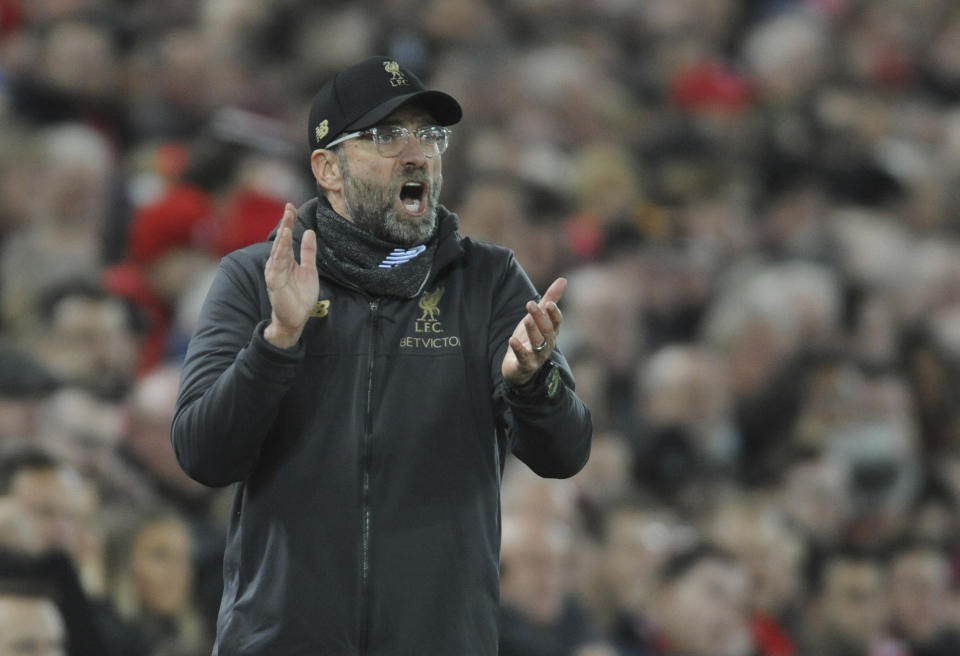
(701, 604)
(24, 386)
(920, 591)
(606, 481)
(170, 243)
(146, 446)
(88, 337)
(524, 493)
(848, 610)
(151, 583)
(773, 556)
(686, 387)
(52, 495)
(86, 432)
(30, 623)
(538, 616)
(815, 498)
(636, 544)
(63, 238)
(47, 538)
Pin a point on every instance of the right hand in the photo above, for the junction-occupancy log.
(293, 288)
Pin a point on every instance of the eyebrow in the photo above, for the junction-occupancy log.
(426, 117)
(411, 127)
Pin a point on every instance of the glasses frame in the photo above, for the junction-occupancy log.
(418, 133)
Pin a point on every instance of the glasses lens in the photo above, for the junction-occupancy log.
(391, 140)
(433, 140)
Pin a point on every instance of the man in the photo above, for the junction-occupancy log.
(25, 387)
(53, 497)
(637, 541)
(538, 615)
(773, 554)
(30, 624)
(364, 397)
(88, 337)
(920, 598)
(848, 611)
(701, 609)
(44, 543)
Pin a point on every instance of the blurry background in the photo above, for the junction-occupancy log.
(755, 202)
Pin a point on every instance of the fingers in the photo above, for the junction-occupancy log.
(284, 238)
(539, 328)
(523, 353)
(538, 325)
(556, 317)
(286, 223)
(289, 216)
(554, 291)
(308, 250)
(541, 325)
(549, 318)
(284, 241)
(281, 253)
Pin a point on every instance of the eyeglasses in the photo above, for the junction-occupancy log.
(392, 139)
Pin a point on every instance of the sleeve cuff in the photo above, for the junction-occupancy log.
(542, 388)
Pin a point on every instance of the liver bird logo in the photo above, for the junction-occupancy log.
(396, 77)
(428, 303)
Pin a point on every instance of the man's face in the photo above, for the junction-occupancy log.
(54, 500)
(90, 344)
(853, 606)
(919, 593)
(160, 559)
(30, 626)
(372, 185)
(705, 611)
(636, 546)
(533, 575)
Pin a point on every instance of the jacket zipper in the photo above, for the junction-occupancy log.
(366, 458)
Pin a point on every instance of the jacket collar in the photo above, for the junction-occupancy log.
(449, 249)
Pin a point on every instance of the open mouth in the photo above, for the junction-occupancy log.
(412, 197)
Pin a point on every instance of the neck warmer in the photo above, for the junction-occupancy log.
(378, 267)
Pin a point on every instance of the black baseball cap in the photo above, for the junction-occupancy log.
(361, 96)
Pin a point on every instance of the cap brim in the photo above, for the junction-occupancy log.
(442, 107)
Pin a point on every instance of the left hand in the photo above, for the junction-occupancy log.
(539, 328)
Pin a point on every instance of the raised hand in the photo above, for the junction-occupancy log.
(534, 337)
(293, 288)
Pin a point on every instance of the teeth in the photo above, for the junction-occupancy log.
(410, 196)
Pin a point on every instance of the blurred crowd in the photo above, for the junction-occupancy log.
(755, 202)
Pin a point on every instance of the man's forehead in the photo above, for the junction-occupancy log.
(29, 614)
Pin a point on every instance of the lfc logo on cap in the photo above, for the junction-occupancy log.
(321, 130)
(396, 77)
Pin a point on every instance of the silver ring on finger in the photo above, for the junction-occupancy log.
(537, 349)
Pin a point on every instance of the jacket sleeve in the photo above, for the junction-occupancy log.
(548, 426)
(233, 380)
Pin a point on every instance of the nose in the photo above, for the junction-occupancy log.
(412, 154)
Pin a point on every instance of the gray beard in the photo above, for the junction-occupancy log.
(372, 208)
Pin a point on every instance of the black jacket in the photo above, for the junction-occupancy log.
(366, 518)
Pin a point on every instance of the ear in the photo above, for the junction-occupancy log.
(326, 170)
